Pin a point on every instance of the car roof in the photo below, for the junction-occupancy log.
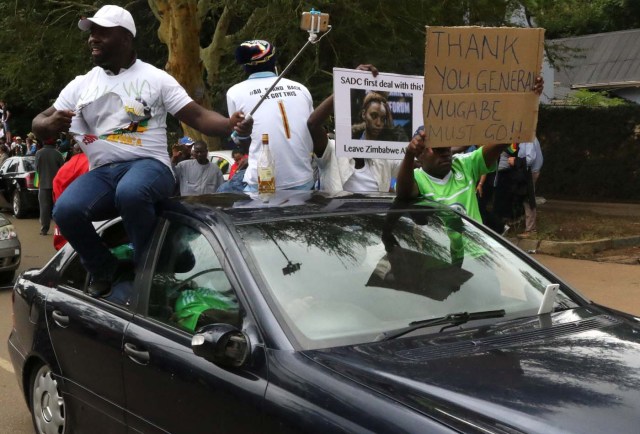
(285, 204)
(220, 153)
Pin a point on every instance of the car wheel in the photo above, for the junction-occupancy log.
(19, 206)
(48, 410)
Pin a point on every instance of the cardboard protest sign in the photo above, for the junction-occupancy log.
(375, 116)
(479, 85)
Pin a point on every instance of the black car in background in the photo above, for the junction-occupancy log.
(320, 314)
(10, 250)
(17, 177)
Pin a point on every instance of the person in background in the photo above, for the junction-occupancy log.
(513, 187)
(238, 156)
(48, 162)
(76, 165)
(5, 115)
(485, 193)
(123, 133)
(4, 152)
(179, 152)
(31, 146)
(532, 153)
(345, 173)
(283, 116)
(446, 177)
(17, 146)
(198, 175)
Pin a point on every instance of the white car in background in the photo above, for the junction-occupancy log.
(223, 159)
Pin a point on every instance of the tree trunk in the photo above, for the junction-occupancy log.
(180, 31)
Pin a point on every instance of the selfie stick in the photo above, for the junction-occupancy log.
(313, 39)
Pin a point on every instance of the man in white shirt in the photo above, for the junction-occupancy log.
(283, 115)
(198, 175)
(342, 173)
(117, 113)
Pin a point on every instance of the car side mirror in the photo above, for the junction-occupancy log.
(222, 344)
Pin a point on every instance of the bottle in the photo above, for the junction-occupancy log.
(266, 171)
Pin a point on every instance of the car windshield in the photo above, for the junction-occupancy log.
(342, 280)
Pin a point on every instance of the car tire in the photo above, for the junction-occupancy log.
(7, 276)
(48, 409)
(19, 205)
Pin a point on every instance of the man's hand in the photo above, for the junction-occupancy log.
(51, 122)
(240, 124)
(60, 120)
(368, 67)
(416, 146)
(538, 86)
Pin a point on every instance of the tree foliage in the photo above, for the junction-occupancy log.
(564, 18)
(195, 39)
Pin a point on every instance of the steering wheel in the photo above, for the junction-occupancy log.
(180, 286)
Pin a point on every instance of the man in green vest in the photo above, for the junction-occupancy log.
(447, 178)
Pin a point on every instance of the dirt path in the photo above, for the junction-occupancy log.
(613, 285)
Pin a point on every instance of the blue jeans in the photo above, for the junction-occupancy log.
(235, 184)
(130, 189)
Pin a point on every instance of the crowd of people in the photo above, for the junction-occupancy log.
(120, 179)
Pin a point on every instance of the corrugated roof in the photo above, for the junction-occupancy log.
(603, 60)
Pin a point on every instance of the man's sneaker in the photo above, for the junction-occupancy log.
(99, 288)
(505, 230)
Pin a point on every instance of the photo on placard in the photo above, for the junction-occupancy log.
(375, 116)
(381, 116)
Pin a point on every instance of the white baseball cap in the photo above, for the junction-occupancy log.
(110, 16)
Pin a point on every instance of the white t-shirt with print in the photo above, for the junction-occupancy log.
(122, 117)
(284, 117)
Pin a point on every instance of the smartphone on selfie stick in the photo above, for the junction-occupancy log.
(313, 22)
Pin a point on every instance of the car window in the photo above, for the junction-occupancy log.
(189, 287)
(341, 280)
(74, 274)
(13, 167)
(28, 164)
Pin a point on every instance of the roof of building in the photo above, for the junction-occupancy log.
(600, 61)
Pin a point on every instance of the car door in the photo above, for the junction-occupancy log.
(8, 172)
(87, 334)
(168, 387)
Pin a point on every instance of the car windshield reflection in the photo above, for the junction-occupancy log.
(344, 280)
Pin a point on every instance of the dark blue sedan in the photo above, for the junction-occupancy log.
(320, 314)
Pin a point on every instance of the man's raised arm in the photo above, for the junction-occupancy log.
(406, 187)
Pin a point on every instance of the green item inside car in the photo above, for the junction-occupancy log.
(123, 252)
(192, 303)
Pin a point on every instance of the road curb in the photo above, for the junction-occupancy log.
(564, 248)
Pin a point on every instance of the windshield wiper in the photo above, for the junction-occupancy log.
(453, 319)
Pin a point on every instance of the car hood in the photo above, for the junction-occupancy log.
(575, 372)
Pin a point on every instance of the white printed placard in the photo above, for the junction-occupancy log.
(375, 116)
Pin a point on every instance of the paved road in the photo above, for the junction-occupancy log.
(614, 285)
(36, 251)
